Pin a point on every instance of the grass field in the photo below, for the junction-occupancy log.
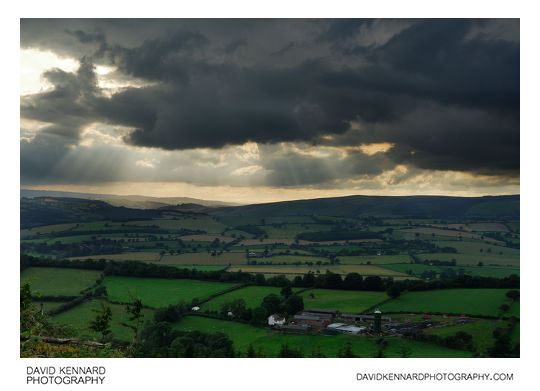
(205, 259)
(474, 247)
(53, 281)
(289, 231)
(366, 270)
(206, 238)
(480, 329)
(373, 259)
(457, 301)
(80, 316)
(514, 335)
(268, 220)
(513, 225)
(46, 229)
(471, 260)
(254, 242)
(49, 305)
(444, 232)
(352, 302)
(278, 259)
(205, 268)
(253, 296)
(205, 223)
(144, 256)
(268, 343)
(155, 292)
(477, 227)
(484, 271)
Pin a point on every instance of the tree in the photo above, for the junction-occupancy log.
(504, 308)
(259, 316)
(513, 295)
(272, 303)
(381, 345)
(405, 351)
(251, 352)
(394, 291)
(294, 304)
(134, 311)
(347, 352)
(502, 346)
(286, 291)
(286, 352)
(353, 281)
(102, 323)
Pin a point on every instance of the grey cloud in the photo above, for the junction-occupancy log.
(446, 92)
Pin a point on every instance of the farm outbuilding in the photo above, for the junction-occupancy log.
(323, 311)
(345, 328)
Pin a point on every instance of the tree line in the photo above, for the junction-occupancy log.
(328, 280)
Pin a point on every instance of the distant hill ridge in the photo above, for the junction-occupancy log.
(506, 206)
(129, 201)
(38, 211)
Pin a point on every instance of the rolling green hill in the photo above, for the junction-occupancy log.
(417, 206)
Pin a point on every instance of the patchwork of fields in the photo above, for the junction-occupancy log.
(366, 270)
(484, 302)
(351, 302)
(157, 293)
(252, 295)
(394, 250)
(52, 281)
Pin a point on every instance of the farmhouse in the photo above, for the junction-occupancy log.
(275, 319)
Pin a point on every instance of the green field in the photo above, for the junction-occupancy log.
(484, 271)
(46, 229)
(373, 259)
(204, 268)
(366, 270)
(269, 343)
(53, 281)
(157, 292)
(514, 335)
(289, 231)
(480, 329)
(352, 302)
(204, 223)
(253, 296)
(143, 256)
(457, 301)
(48, 305)
(472, 259)
(473, 247)
(80, 316)
(205, 258)
(279, 259)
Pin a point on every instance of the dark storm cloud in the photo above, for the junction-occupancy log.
(293, 169)
(235, 45)
(446, 92)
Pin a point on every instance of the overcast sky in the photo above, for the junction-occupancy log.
(263, 110)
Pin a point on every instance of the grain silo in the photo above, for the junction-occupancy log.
(377, 322)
